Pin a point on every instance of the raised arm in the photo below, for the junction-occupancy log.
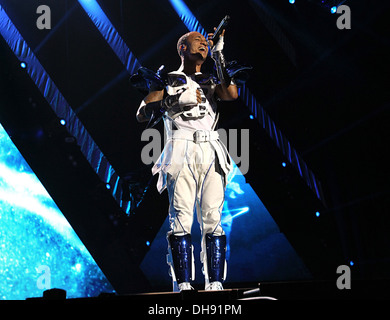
(226, 90)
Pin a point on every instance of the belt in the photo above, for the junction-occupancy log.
(197, 136)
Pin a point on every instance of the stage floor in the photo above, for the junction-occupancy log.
(301, 290)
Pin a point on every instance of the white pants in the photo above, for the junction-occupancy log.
(199, 186)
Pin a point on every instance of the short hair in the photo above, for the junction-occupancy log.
(182, 40)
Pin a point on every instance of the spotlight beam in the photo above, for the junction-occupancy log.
(187, 16)
(110, 34)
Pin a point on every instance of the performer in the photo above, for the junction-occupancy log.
(194, 164)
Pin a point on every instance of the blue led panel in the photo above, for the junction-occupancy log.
(39, 249)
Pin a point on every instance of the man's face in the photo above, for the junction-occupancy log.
(197, 47)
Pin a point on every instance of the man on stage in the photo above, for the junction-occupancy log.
(194, 164)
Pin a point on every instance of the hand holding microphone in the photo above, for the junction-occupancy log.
(219, 32)
(216, 51)
(220, 42)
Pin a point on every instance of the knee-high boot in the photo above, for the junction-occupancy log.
(180, 259)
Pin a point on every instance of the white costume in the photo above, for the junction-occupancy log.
(193, 168)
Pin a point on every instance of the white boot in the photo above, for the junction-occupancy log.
(185, 286)
(214, 286)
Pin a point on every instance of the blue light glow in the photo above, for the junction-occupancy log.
(284, 164)
(187, 17)
(317, 214)
(236, 212)
(36, 237)
(251, 117)
(292, 1)
(62, 122)
(333, 9)
(23, 65)
(351, 263)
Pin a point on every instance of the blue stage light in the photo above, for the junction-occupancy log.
(333, 9)
(317, 214)
(62, 122)
(351, 263)
(148, 243)
(108, 31)
(292, 1)
(108, 186)
(284, 164)
(23, 65)
(251, 117)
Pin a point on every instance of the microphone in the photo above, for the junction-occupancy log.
(220, 28)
